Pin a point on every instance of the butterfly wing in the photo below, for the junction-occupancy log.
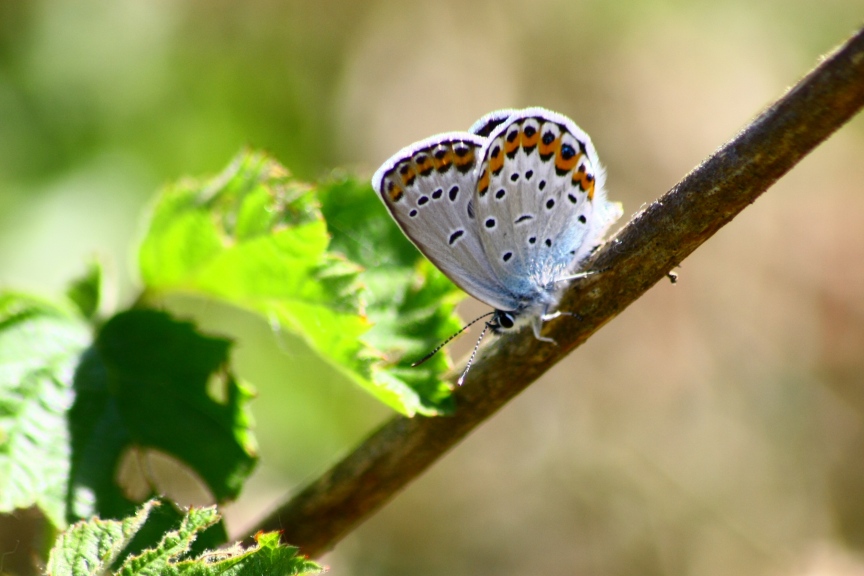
(428, 188)
(540, 203)
(485, 125)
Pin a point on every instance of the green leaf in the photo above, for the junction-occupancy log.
(94, 546)
(86, 292)
(39, 348)
(144, 384)
(173, 545)
(410, 302)
(254, 237)
(91, 547)
(166, 517)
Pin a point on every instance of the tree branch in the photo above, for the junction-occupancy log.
(640, 255)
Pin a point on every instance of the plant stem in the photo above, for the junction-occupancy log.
(642, 253)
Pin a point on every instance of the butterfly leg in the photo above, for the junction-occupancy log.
(553, 315)
(537, 325)
(577, 276)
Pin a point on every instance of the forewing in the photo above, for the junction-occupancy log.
(540, 203)
(428, 188)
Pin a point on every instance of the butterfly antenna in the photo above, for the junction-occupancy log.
(474, 353)
(448, 340)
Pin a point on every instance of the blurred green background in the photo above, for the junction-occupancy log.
(715, 427)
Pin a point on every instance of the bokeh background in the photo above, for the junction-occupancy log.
(714, 428)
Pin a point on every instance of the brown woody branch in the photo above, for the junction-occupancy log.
(642, 253)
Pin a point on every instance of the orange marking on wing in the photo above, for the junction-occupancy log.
(483, 184)
(510, 146)
(465, 160)
(563, 165)
(585, 181)
(408, 175)
(529, 141)
(441, 164)
(553, 147)
(496, 161)
(394, 192)
(425, 166)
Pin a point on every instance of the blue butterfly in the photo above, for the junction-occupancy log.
(508, 210)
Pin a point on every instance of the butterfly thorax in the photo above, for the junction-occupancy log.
(530, 307)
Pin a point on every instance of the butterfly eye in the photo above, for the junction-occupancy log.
(505, 319)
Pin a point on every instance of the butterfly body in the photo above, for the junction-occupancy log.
(508, 210)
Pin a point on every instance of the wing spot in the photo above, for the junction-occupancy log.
(455, 236)
(532, 240)
(523, 218)
(507, 256)
(529, 174)
(582, 219)
(490, 223)
(530, 131)
(412, 213)
(454, 191)
(470, 209)
(496, 151)
(548, 242)
(550, 203)
(571, 198)
(512, 135)
(567, 152)
(423, 200)
(548, 138)
(542, 184)
(514, 177)
(500, 193)
(437, 194)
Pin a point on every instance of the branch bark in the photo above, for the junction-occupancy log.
(641, 254)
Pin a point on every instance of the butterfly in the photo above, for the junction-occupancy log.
(508, 210)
